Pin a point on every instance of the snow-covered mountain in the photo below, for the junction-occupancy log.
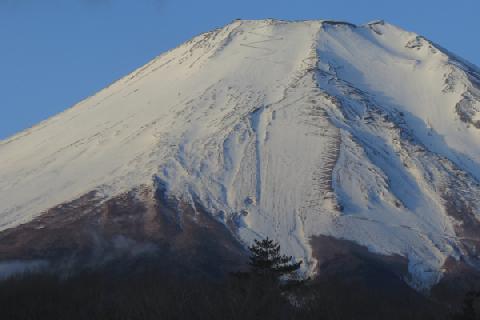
(283, 129)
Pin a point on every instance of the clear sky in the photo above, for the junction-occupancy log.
(54, 53)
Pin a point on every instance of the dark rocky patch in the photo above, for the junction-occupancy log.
(339, 23)
(459, 279)
(132, 227)
(468, 228)
(365, 285)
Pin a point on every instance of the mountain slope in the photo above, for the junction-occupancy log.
(281, 129)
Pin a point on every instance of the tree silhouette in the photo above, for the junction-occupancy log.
(267, 262)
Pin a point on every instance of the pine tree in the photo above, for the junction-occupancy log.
(267, 262)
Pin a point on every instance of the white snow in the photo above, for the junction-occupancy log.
(277, 125)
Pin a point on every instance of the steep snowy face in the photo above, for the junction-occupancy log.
(280, 129)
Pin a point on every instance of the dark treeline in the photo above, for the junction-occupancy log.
(471, 307)
(150, 293)
(153, 295)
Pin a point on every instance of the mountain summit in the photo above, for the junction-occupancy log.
(291, 130)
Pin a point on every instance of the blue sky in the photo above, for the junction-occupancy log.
(54, 53)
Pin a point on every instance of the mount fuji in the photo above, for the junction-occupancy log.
(298, 131)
